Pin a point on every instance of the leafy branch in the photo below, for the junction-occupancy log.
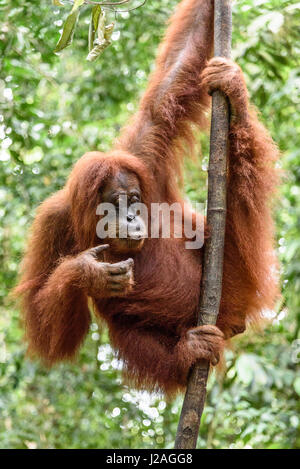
(99, 31)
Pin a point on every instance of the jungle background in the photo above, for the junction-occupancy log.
(53, 109)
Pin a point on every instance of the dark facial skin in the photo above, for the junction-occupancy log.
(123, 183)
(121, 188)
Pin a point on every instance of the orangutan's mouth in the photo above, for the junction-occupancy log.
(134, 243)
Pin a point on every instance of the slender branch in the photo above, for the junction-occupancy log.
(102, 4)
(111, 5)
(129, 9)
(211, 285)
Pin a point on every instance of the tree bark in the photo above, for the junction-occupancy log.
(211, 284)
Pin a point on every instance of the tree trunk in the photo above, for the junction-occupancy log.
(211, 284)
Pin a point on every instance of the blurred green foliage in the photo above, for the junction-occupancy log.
(52, 110)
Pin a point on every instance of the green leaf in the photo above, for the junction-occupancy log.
(67, 34)
(57, 3)
(77, 5)
(68, 31)
(96, 11)
(69, 27)
(297, 385)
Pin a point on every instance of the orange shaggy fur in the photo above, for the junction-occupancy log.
(151, 326)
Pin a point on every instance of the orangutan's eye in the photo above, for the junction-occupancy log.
(135, 199)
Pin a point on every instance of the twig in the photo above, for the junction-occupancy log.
(111, 5)
(211, 285)
(102, 4)
(130, 9)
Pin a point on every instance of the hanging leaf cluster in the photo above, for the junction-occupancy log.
(99, 31)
